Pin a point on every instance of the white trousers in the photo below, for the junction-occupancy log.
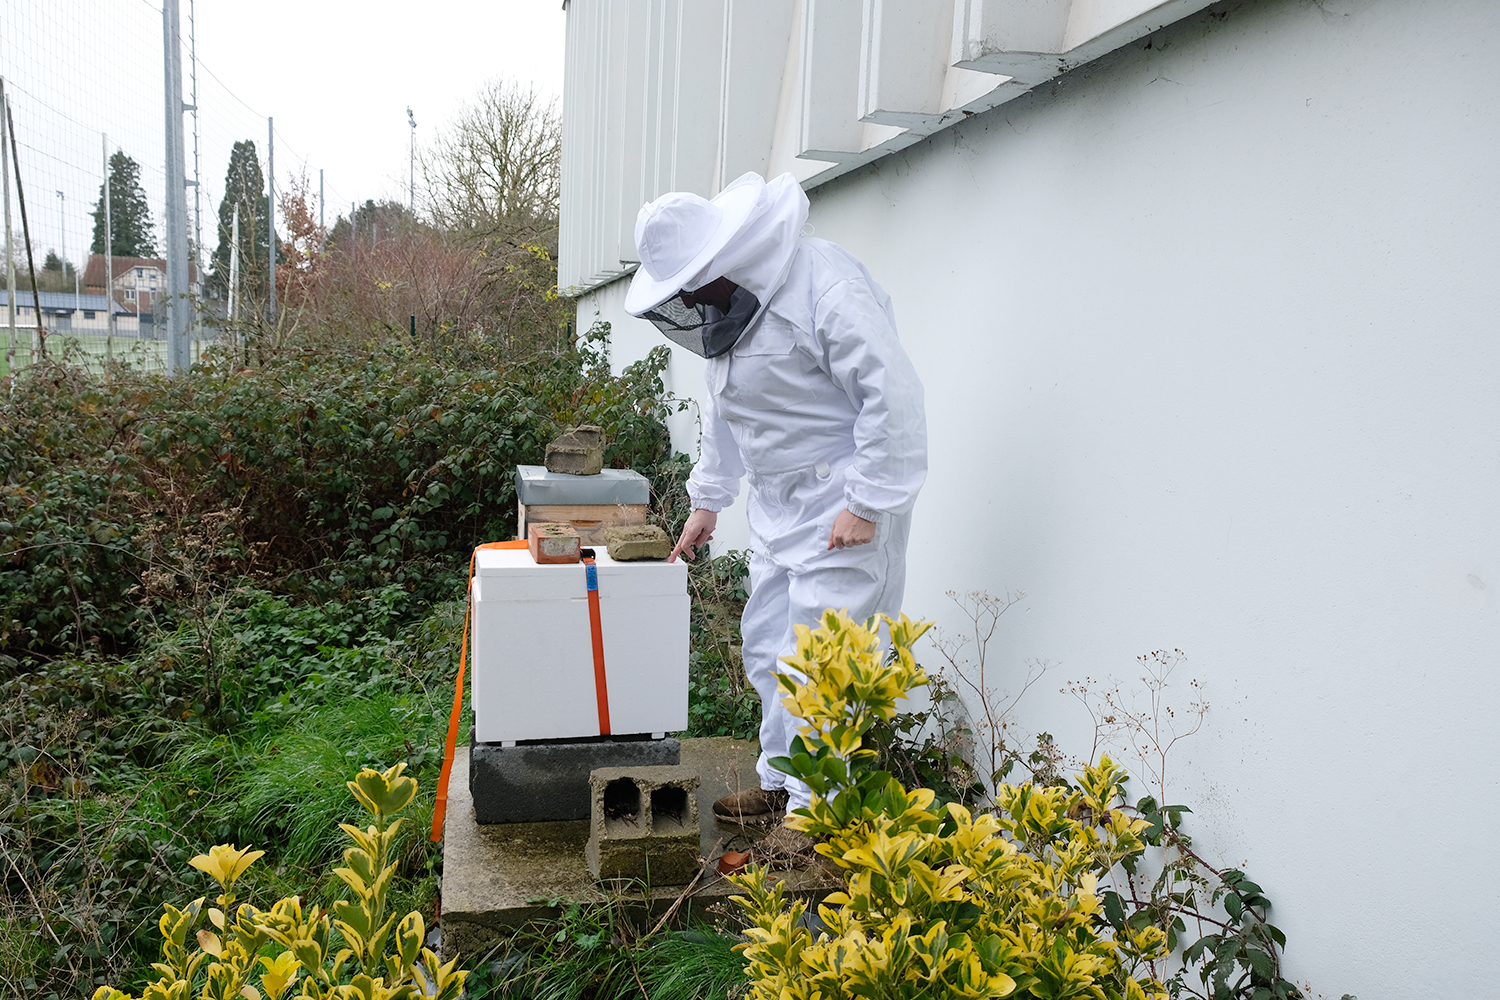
(794, 577)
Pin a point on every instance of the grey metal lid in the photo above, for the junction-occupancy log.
(535, 485)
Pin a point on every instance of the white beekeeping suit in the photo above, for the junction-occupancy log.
(811, 397)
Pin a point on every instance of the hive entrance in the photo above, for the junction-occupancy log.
(622, 801)
(669, 807)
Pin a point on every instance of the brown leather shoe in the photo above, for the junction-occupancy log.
(751, 805)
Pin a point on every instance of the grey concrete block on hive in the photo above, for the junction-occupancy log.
(644, 824)
(543, 782)
(578, 452)
(637, 541)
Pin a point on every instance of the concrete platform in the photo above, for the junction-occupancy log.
(499, 877)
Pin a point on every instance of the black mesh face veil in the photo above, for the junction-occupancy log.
(704, 329)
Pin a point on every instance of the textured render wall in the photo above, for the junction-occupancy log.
(1210, 340)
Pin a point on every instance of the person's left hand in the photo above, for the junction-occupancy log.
(850, 529)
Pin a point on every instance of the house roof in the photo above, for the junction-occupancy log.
(93, 272)
(63, 302)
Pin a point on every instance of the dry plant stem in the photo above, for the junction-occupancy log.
(984, 611)
(672, 910)
(35, 903)
(1150, 732)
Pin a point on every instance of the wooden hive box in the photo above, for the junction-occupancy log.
(589, 503)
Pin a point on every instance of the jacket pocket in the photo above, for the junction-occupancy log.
(770, 373)
(767, 340)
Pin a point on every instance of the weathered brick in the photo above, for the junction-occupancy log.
(578, 452)
(637, 541)
(553, 542)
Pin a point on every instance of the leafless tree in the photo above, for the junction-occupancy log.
(493, 174)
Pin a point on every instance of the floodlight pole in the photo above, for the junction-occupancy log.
(197, 262)
(109, 264)
(62, 218)
(411, 184)
(178, 353)
(271, 206)
(10, 255)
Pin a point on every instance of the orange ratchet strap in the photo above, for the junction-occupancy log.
(441, 807)
(601, 688)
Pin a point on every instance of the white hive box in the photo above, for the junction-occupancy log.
(532, 651)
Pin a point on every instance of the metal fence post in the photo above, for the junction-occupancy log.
(178, 354)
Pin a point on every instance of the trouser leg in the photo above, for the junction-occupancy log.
(764, 628)
(782, 598)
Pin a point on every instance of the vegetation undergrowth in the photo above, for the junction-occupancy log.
(1055, 888)
(596, 952)
(293, 945)
(220, 592)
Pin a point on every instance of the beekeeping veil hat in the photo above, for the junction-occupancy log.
(748, 233)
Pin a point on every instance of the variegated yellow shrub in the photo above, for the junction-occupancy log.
(289, 950)
(939, 902)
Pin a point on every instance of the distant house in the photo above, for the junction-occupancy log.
(64, 312)
(138, 281)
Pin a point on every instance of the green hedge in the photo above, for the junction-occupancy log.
(132, 496)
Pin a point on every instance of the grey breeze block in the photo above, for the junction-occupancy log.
(644, 824)
(542, 782)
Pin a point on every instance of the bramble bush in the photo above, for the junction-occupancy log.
(137, 496)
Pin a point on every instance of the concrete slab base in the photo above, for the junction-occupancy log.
(499, 877)
(542, 782)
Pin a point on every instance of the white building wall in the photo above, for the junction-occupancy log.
(1209, 335)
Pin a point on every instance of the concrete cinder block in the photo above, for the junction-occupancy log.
(543, 782)
(644, 824)
(578, 452)
(637, 541)
(551, 542)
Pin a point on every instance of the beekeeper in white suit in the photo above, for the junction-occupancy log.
(812, 397)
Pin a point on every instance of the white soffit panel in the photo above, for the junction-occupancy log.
(631, 37)
(688, 94)
(755, 31)
(830, 79)
(1035, 40)
(700, 63)
(903, 59)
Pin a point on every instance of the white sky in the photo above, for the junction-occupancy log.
(339, 76)
(336, 76)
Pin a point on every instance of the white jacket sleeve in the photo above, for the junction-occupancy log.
(715, 480)
(864, 356)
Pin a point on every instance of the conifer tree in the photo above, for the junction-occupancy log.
(244, 188)
(132, 232)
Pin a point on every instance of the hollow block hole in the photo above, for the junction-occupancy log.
(669, 809)
(622, 802)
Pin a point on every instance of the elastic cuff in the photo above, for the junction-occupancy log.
(860, 510)
(708, 505)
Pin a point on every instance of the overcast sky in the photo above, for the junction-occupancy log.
(339, 76)
(336, 75)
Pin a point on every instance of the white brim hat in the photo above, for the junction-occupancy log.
(678, 235)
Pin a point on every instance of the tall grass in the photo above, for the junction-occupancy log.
(593, 952)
